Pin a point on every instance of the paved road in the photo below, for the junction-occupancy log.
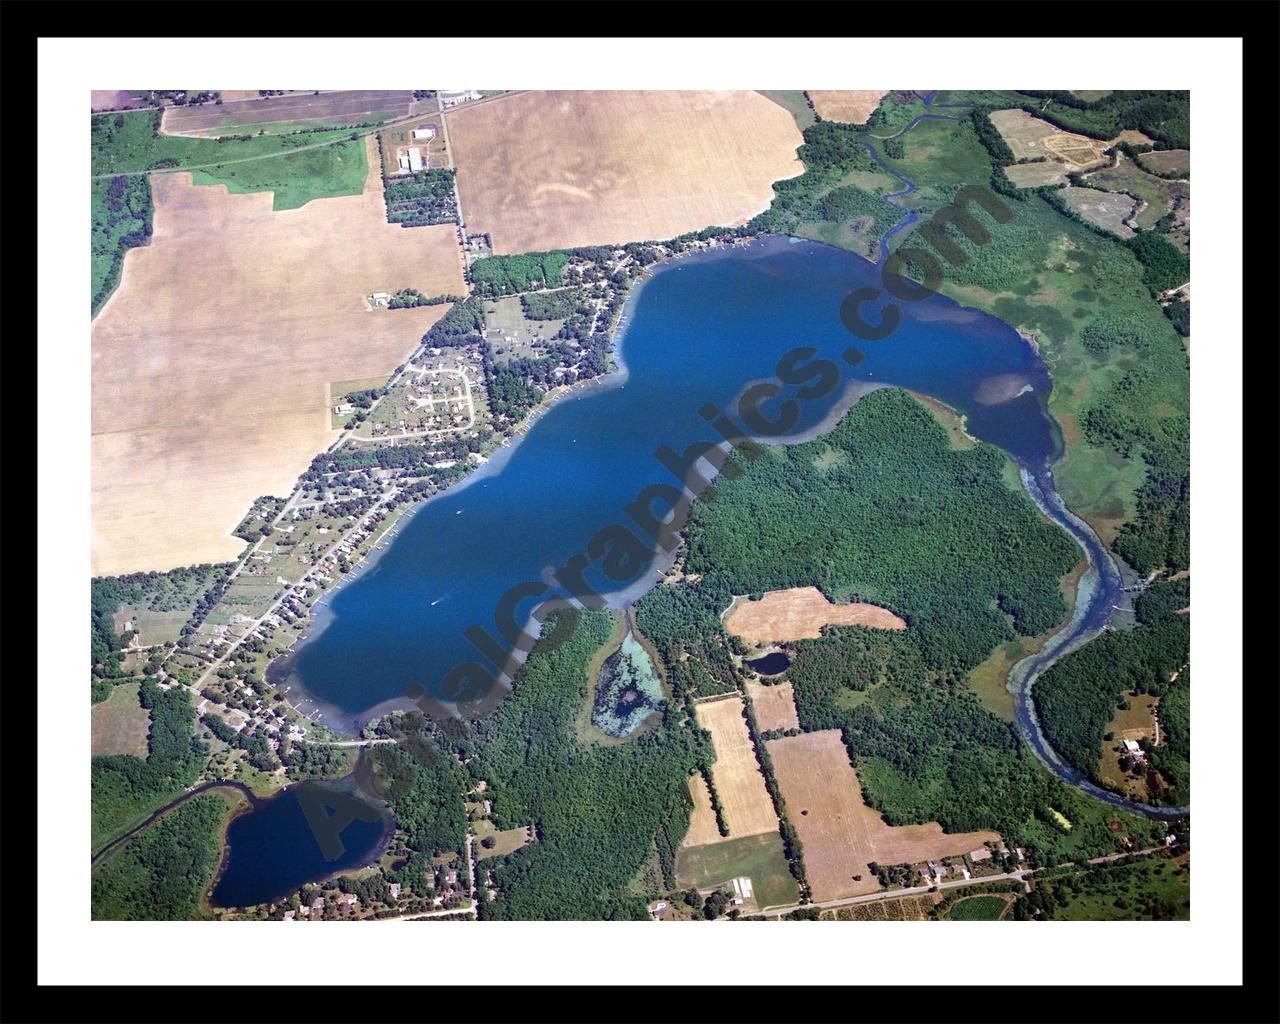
(469, 911)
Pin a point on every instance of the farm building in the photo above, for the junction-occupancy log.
(428, 133)
(415, 159)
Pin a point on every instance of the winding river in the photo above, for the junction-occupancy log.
(1100, 591)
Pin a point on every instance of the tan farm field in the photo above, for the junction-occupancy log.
(852, 106)
(748, 810)
(799, 614)
(775, 706)
(842, 836)
(702, 821)
(212, 361)
(546, 170)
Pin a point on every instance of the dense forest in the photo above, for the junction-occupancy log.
(424, 786)
(596, 809)
(462, 325)
(162, 873)
(933, 533)
(1078, 696)
(507, 275)
(1164, 115)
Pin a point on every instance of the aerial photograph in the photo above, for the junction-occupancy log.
(639, 505)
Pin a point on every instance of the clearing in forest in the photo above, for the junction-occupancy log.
(840, 835)
(1030, 137)
(736, 773)
(549, 170)
(1167, 161)
(212, 360)
(799, 614)
(775, 706)
(120, 723)
(1109, 210)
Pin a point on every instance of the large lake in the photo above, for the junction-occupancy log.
(698, 331)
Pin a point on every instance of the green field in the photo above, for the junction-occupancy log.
(976, 908)
(760, 858)
(794, 102)
(296, 178)
(121, 143)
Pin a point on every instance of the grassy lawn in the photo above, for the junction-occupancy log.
(120, 723)
(505, 842)
(760, 858)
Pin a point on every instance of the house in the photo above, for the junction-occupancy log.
(394, 889)
(450, 878)
(347, 899)
(658, 909)
(289, 915)
(317, 903)
(380, 299)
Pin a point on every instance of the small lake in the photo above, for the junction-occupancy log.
(771, 664)
(272, 850)
(699, 331)
(628, 690)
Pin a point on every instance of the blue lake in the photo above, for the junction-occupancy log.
(700, 330)
(771, 664)
(273, 849)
